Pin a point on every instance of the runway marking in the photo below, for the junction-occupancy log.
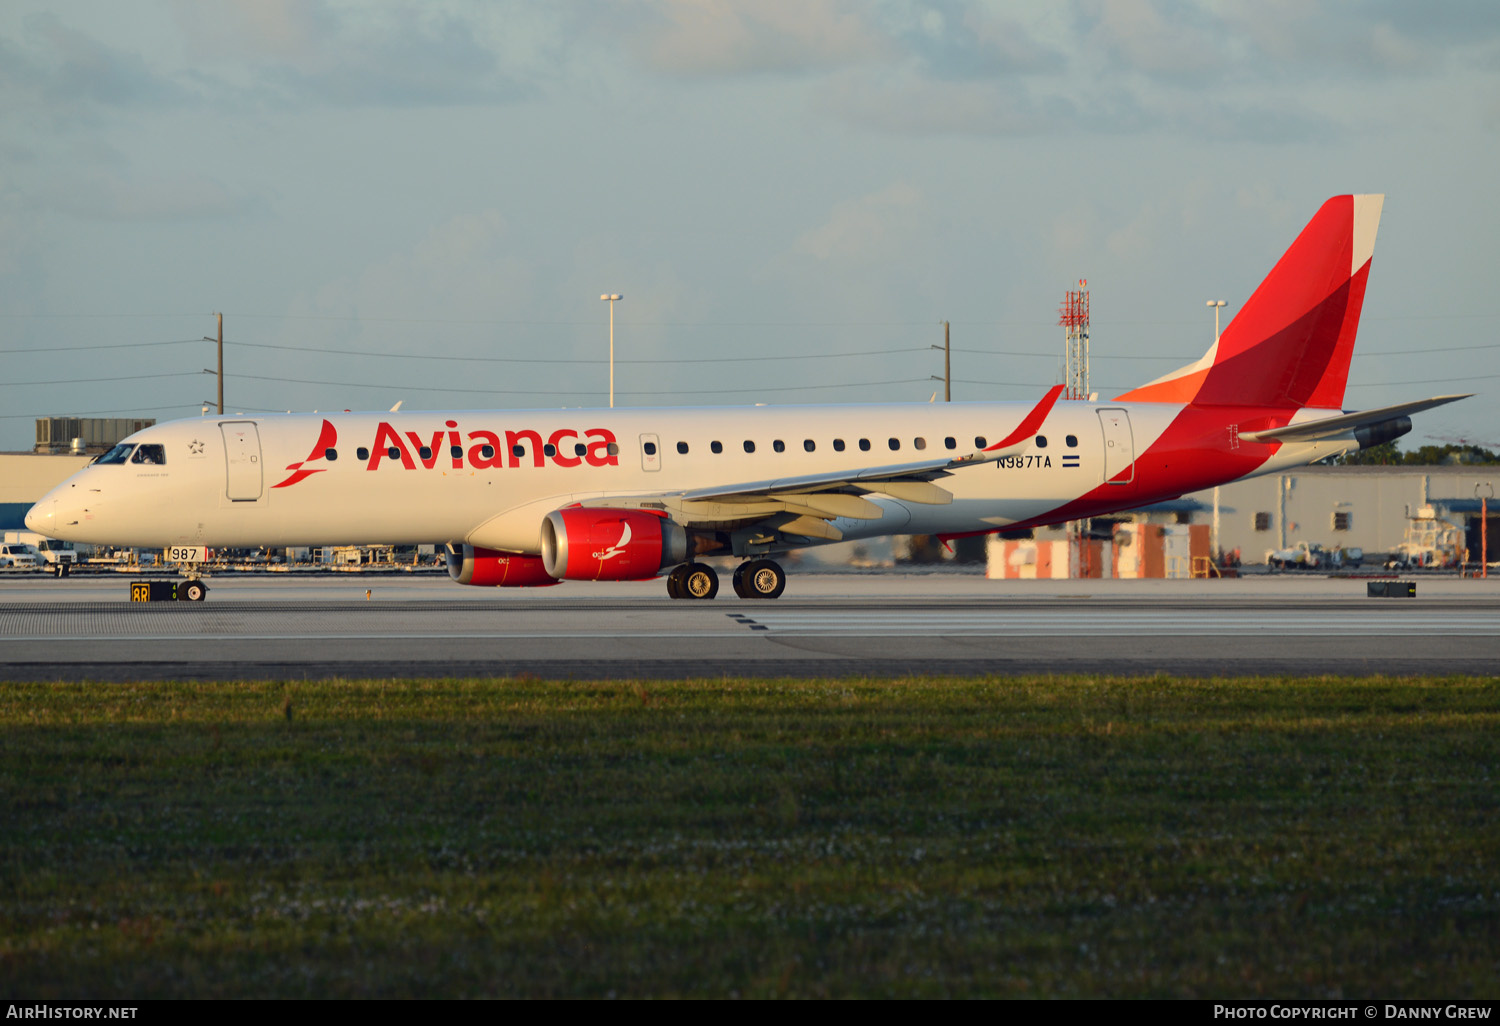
(1073, 622)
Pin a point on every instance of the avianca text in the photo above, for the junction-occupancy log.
(483, 449)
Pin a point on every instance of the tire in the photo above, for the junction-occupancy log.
(699, 581)
(674, 582)
(192, 591)
(759, 579)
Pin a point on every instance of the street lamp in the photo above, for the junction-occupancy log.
(1213, 544)
(612, 299)
(1217, 304)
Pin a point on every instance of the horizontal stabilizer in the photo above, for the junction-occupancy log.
(1333, 427)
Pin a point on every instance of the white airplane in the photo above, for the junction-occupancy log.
(535, 497)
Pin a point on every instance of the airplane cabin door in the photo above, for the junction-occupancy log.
(242, 482)
(650, 452)
(1119, 447)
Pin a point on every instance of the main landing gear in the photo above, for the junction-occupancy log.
(754, 579)
(693, 581)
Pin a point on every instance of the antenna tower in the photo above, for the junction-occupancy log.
(1073, 315)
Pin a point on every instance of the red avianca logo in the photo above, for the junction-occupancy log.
(327, 439)
(480, 449)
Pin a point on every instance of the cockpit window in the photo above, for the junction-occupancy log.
(150, 454)
(119, 454)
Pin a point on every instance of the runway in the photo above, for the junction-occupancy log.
(829, 625)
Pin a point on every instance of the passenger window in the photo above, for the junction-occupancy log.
(682, 447)
(393, 453)
(1072, 441)
(614, 449)
(149, 454)
(650, 448)
(950, 442)
(549, 449)
(749, 445)
(838, 445)
(716, 447)
(779, 445)
(119, 454)
(895, 444)
(362, 453)
(518, 450)
(488, 452)
(425, 452)
(330, 454)
(1041, 441)
(809, 444)
(864, 445)
(457, 452)
(919, 443)
(979, 442)
(580, 449)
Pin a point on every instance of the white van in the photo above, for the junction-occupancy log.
(15, 555)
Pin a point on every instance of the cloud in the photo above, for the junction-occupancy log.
(1138, 36)
(364, 55)
(464, 268)
(63, 75)
(913, 105)
(724, 37)
(105, 194)
(875, 227)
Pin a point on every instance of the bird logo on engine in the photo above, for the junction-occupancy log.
(617, 548)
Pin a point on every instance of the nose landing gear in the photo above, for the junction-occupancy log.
(192, 591)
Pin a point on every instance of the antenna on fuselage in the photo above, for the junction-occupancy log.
(398, 405)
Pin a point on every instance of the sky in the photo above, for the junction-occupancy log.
(423, 202)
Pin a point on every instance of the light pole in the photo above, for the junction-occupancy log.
(612, 299)
(1217, 304)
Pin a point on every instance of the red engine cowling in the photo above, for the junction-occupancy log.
(583, 544)
(487, 568)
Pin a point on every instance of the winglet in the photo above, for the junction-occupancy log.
(1032, 422)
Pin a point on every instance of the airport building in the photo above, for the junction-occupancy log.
(1366, 507)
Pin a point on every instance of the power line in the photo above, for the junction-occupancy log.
(111, 345)
(574, 392)
(112, 377)
(541, 360)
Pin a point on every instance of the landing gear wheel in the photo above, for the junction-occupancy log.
(759, 579)
(192, 591)
(699, 581)
(674, 581)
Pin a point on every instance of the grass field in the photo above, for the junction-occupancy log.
(761, 838)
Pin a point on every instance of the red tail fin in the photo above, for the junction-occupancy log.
(1291, 343)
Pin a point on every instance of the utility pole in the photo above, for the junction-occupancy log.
(220, 372)
(612, 299)
(947, 378)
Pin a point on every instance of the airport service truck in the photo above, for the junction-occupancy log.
(48, 551)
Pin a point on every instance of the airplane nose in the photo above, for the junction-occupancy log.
(41, 517)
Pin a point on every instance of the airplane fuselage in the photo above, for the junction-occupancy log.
(488, 478)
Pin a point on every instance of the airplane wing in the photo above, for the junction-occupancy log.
(1332, 427)
(804, 505)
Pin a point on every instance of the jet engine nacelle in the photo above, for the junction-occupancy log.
(1371, 435)
(583, 544)
(487, 568)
